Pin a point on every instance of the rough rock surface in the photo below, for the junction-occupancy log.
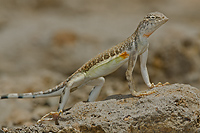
(173, 108)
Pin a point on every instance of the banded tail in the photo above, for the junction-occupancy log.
(48, 93)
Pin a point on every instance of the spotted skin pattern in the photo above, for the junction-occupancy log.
(93, 71)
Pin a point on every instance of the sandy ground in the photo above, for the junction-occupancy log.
(42, 43)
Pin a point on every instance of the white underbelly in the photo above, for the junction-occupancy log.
(106, 67)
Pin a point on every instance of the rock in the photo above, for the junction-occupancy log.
(44, 42)
(173, 108)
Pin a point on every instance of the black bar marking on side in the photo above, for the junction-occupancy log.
(20, 96)
(4, 97)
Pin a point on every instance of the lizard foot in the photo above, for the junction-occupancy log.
(159, 84)
(143, 93)
(55, 117)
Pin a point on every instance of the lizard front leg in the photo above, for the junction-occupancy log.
(143, 67)
(144, 72)
(129, 73)
(131, 64)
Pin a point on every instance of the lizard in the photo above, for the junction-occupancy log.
(93, 72)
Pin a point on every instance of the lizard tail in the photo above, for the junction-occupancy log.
(48, 93)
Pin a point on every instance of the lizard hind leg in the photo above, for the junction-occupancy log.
(56, 115)
(97, 83)
(75, 81)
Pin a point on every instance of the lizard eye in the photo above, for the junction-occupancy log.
(152, 17)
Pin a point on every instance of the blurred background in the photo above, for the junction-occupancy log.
(42, 42)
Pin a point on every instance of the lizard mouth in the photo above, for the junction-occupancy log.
(165, 20)
(147, 35)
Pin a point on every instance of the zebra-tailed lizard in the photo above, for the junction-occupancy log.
(92, 72)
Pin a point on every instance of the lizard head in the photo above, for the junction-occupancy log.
(151, 22)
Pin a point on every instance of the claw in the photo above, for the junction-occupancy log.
(55, 117)
(159, 84)
(141, 94)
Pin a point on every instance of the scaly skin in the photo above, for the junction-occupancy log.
(92, 72)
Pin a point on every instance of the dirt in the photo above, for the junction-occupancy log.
(43, 42)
